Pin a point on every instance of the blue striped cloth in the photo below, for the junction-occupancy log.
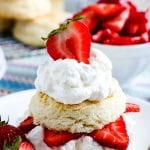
(22, 62)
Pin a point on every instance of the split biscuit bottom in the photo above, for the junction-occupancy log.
(84, 117)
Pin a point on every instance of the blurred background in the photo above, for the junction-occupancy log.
(22, 50)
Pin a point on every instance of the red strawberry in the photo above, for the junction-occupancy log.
(117, 24)
(113, 135)
(126, 40)
(106, 11)
(27, 125)
(9, 134)
(148, 18)
(90, 18)
(109, 1)
(55, 138)
(132, 108)
(71, 40)
(136, 24)
(102, 35)
(26, 146)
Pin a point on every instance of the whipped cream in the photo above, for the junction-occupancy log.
(70, 82)
(83, 143)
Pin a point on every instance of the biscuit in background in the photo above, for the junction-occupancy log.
(5, 25)
(24, 9)
(30, 32)
(57, 5)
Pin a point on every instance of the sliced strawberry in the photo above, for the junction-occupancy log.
(90, 18)
(148, 18)
(113, 135)
(132, 108)
(26, 146)
(102, 35)
(136, 24)
(109, 1)
(71, 40)
(27, 125)
(117, 24)
(106, 11)
(126, 40)
(55, 138)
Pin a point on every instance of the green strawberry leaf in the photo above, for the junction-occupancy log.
(62, 27)
(3, 122)
(14, 145)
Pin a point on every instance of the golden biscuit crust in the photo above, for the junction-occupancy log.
(84, 117)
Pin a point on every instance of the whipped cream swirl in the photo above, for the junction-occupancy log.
(70, 82)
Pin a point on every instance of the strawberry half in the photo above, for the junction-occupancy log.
(27, 125)
(132, 108)
(26, 146)
(117, 24)
(72, 40)
(55, 138)
(113, 135)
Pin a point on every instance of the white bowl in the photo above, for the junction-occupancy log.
(128, 61)
(2, 63)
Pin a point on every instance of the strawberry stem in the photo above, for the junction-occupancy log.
(62, 27)
(14, 145)
(3, 122)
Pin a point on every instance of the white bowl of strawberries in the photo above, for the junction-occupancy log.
(122, 32)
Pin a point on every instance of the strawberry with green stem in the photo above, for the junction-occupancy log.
(11, 137)
(71, 40)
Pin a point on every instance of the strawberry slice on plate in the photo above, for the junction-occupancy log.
(113, 135)
(117, 24)
(55, 138)
(26, 146)
(132, 108)
(71, 40)
(27, 125)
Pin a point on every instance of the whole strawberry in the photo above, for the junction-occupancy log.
(9, 134)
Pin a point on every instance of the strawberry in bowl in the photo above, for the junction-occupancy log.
(122, 31)
(116, 22)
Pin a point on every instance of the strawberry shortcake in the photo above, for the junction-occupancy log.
(78, 104)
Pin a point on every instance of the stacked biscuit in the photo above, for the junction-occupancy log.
(84, 117)
(31, 19)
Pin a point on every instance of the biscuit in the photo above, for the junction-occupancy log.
(57, 5)
(84, 117)
(24, 9)
(5, 25)
(30, 32)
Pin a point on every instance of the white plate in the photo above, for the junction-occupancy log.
(16, 104)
